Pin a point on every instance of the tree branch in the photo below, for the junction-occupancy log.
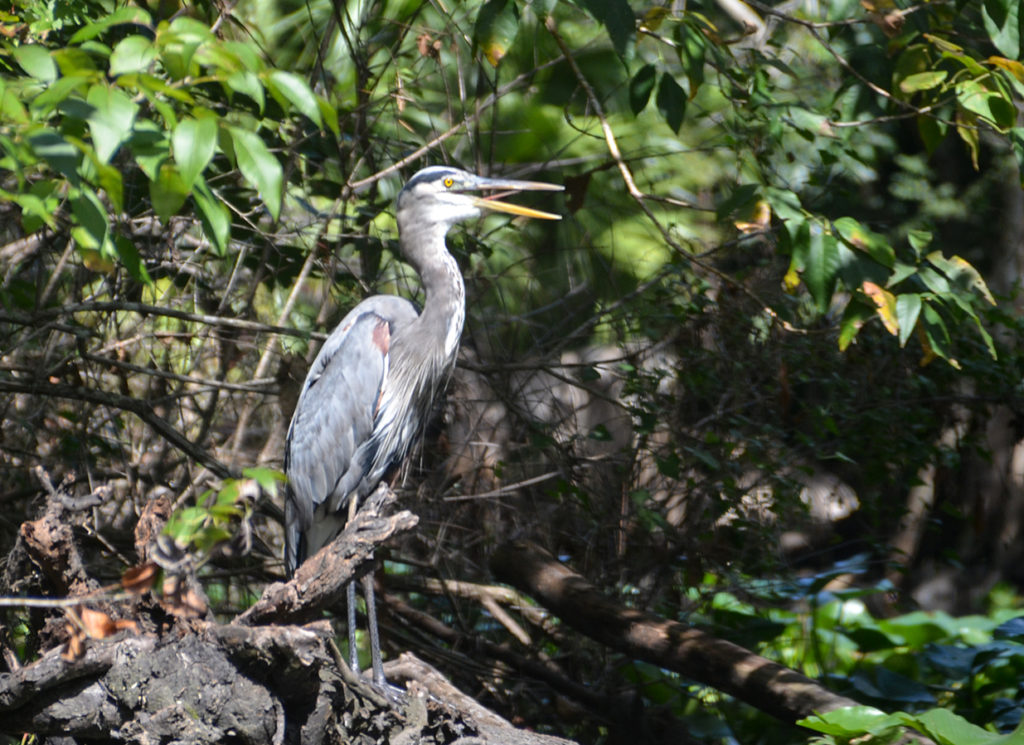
(766, 685)
(320, 582)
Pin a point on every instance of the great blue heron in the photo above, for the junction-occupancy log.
(371, 388)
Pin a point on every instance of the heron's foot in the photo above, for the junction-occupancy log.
(393, 693)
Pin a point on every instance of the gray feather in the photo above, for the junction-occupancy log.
(327, 454)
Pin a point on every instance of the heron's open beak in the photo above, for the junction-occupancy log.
(508, 186)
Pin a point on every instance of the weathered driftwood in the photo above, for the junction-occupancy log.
(202, 682)
(320, 582)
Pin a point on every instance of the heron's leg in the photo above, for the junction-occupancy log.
(350, 601)
(371, 621)
(353, 651)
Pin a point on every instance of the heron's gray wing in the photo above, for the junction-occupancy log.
(333, 418)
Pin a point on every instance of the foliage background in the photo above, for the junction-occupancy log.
(754, 380)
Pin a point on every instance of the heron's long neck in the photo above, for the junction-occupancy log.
(444, 308)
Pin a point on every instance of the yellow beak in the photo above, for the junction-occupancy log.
(509, 186)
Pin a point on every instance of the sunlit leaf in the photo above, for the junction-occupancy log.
(259, 167)
(248, 84)
(946, 727)
(496, 28)
(214, 217)
(857, 313)
(132, 54)
(194, 142)
(91, 215)
(962, 274)
(268, 478)
(849, 721)
(168, 192)
(131, 260)
(37, 62)
(1003, 24)
(937, 336)
(987, 104)
(923, 81)
(967, 128)
(1011, 66)
(126, 14)
(908, 308)
(820, 271)
(858, 236)
(885, 306)
(692, 49)
(297, 92)
(112, 119)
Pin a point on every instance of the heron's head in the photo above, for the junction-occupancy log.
(443, 196)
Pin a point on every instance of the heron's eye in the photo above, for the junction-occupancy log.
(448, 182)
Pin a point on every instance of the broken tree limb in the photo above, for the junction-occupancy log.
(320, 582)
(766, 685)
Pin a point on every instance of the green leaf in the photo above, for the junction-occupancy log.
(857, 313)
(37, 62)
(1016, 136)
(495, 30)
(937, 335)
(692, 48)
(947, 728)
(934, 281)
(39, 204)
(857, 236)
(132, 54)
(908, 308)
(194, 142)
(150, 147)
(820, 271)
(850, 721)
(919, 240)
(640, 88)
(248, 84)
(127, 14)
(168, 192)
(90, 214)
(214, 217)
(967, 128)
(60, 154)
(267, 478)
(186, 524)
(671, 102)
(57, 93)
(923, 81)
(617, 17)
(1003, 24)
(11, 108)
(76, 60)
(962, 274)
(808, 124)
(112, 119)
(932, 132)
(987, 104)
(259, 167)
(294, 89)
(129, 256)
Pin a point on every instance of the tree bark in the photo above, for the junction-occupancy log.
(196, 681)
(766, 685)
